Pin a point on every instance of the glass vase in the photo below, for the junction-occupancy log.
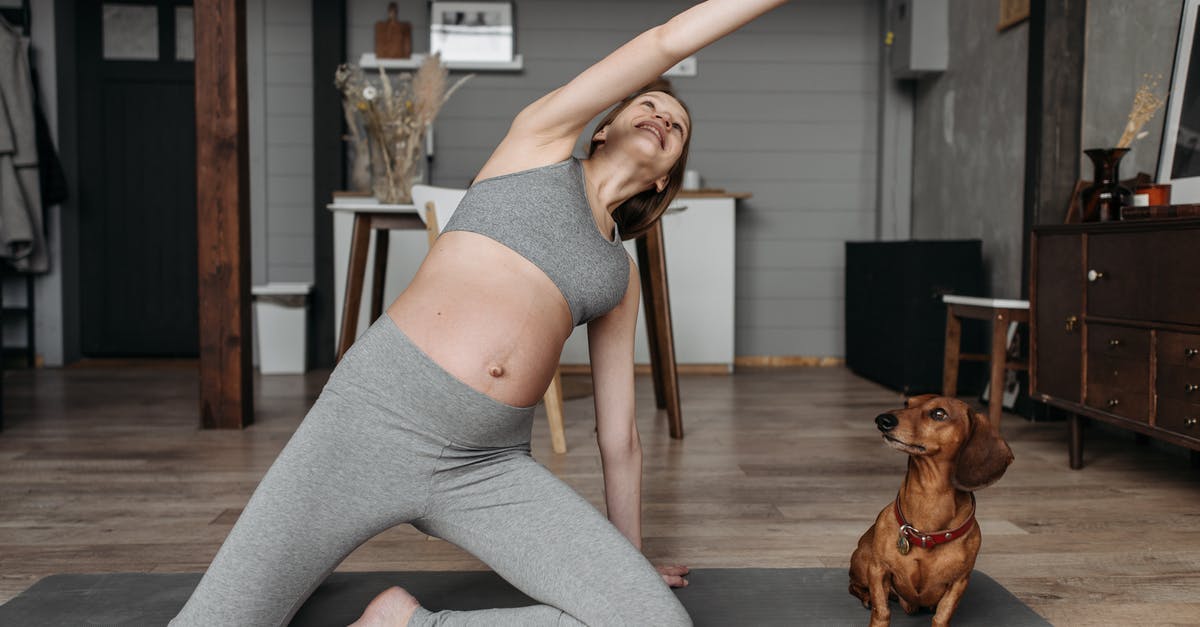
(396, 164)
(1102, 201)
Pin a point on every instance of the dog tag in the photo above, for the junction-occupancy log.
(902, 544)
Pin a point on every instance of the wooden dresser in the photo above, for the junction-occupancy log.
(1115, 326)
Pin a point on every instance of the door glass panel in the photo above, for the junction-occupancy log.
(185, 36)
(130, 32)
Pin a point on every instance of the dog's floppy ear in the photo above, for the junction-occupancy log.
(913, 401)
(983, 458)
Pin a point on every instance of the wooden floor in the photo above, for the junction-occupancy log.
(104, 470)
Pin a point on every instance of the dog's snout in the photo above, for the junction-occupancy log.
(886, 422)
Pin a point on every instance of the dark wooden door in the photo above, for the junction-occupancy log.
(1058, 335)
(137, 179)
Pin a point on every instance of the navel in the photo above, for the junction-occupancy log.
(496, 371)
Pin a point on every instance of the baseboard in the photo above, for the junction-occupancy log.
(787, 361)
(705, 369)
(745, 361)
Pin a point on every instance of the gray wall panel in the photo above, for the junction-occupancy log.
(293, 37)
(757, 254)
(1125, 42)
(283, 220)
(285, 160)
(775, 283)
(786, 312)
(290, 250)
(283, 187)
(289, 129)
(288, 192)
(290, 100)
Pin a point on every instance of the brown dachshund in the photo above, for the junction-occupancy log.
(922, 546)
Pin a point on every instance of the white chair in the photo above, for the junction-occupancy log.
(436, 205)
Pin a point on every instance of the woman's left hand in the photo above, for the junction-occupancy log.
(674, 575)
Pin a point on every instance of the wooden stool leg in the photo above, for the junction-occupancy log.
(554, 414)
(359, 242)
(378, 273)
(998, 358)
(950, 360)
(652, 260)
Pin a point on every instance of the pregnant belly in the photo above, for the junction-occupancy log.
(487, 316)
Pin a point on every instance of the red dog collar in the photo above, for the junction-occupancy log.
(929, 540)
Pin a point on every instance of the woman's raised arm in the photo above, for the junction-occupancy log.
(556, 119)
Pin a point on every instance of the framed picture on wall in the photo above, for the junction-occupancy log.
(1179, 158)
(471, 31)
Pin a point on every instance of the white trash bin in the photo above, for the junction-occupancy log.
(281, 318)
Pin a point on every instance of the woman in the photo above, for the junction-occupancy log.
(427, 418)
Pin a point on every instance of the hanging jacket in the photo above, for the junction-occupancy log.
(22, 237)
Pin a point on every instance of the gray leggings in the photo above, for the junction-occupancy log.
(395, 439)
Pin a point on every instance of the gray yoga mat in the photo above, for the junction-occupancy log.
(715, 596)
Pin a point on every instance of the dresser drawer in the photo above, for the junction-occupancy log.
(1178, 382)
(1123, 374)
(1179, 416)
(1179, 349)
(1119, 385)
(1130, 403)
(1118, 342)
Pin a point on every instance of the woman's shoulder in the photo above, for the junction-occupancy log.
(570, 162)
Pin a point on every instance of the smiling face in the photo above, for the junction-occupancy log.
(665, 159)
(653, 127)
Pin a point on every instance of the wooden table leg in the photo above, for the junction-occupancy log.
(998, 359)
(360, 240)
(1075, 426)
(950, 360)
(652, 266)
(378, 273)
(649, 305)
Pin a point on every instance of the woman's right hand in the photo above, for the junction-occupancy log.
(674, 575)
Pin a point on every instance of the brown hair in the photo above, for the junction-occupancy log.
(636, 215)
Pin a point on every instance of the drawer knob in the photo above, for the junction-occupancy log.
(1072, 323)
(1094, 275)
(1191, 422)
(1190, 352)
(1191, 387)
(1114, 402)
(1113, 343)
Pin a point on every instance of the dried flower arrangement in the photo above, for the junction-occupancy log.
(1145, 104)
(387, 121)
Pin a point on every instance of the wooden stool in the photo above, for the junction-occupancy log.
(1001, 312)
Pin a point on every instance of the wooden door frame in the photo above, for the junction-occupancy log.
(226, 397)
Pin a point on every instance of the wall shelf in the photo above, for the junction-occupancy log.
(368, 61)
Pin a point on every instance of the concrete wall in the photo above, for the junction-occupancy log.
(969, 143)
(785, 109)
(1126, 43)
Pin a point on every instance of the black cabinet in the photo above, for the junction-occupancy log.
(895, 318)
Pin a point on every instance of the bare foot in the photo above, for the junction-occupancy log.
(391, 608)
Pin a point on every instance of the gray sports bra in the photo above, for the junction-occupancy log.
(543, 214)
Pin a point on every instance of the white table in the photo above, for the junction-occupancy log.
(354, 219)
